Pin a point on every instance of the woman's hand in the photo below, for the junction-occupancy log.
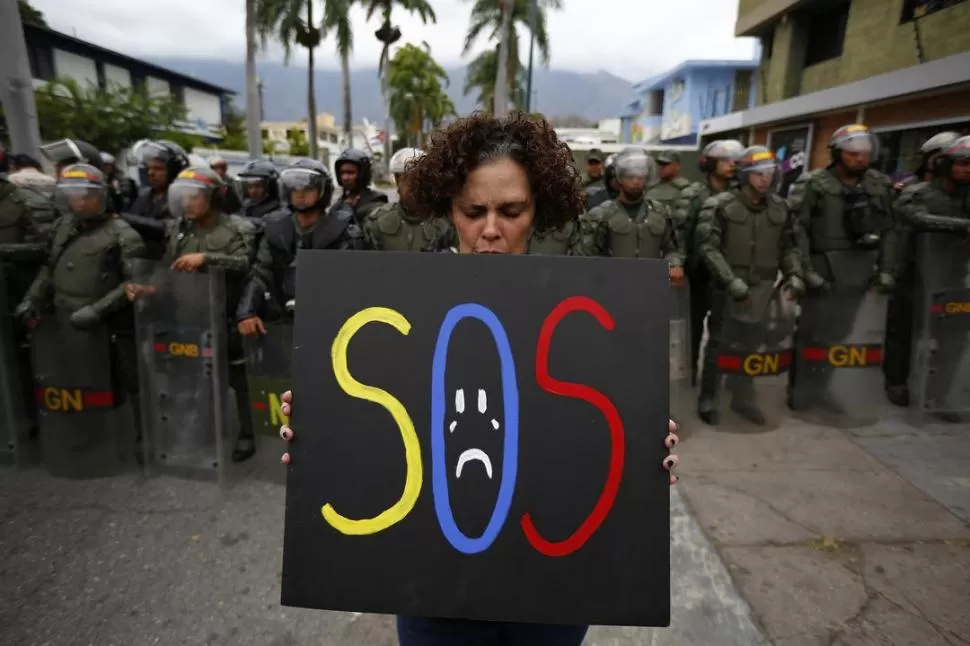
(669, 462)
(671, 441)
(286, 433)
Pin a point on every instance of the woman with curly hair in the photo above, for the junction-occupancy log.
(496, 180)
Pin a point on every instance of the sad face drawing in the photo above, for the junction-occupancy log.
(472, 454)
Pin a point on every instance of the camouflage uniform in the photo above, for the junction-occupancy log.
(389, 227)
(641, 230)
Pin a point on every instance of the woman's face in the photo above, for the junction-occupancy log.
(495, 210)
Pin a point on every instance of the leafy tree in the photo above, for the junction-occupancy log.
(30, 15)
(418, 100)
(299, 146)
(110, 119)
(486, 18)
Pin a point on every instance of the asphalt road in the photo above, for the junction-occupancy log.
(134, 561)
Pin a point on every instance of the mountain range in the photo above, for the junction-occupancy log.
(558, 93)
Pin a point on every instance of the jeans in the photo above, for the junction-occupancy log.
(420, 631)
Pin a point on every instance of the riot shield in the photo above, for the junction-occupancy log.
(940, 376)
(838, 377)
(82, 429)
(754, 358)
(268, 373)
(681, 397)
(14, 426)
(181, 330)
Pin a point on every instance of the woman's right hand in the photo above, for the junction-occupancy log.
(286, 433)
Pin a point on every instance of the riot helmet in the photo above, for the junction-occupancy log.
(161, 155)
(358, 158)
(856, 141)
(932, 149)
(258, 181)
(609, 173)
(82, 191)
(196, 192)
(305, 185)
(67, 152)
(635, 170)
(402, 158)
(759, 170)
(720, 150)
(954, 161)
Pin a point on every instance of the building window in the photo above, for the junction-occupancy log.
(655, 103)
(899, 154)
(915, 9)
(742, 90)
(767, 43)
(178, 94)
(826, 34)
(41, 62)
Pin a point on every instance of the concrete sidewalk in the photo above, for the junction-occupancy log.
(841, 537)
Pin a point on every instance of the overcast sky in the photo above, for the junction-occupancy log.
(630, 38)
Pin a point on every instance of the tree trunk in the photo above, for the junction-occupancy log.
(16, 84)
(311, 98)
(348, 108)
(386, 92)
(254, 114)
(501, 101)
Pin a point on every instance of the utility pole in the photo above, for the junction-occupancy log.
(533, 16)
(387, 34)
(16, 83)
(501, 98)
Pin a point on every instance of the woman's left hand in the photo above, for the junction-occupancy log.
(672, 460)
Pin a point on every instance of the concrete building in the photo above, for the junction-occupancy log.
(330, 137)
(667, 109)
(56, 55)
(900, 66)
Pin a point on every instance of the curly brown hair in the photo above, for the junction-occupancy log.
(457, 149)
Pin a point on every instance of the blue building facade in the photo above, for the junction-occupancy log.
(668, 108)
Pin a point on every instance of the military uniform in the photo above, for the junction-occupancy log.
(555, 242)
(26, 223)
(641, 230)
(743, 244)
(841, 227)
(389, 227)
(670, 194)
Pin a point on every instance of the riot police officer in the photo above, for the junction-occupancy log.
(391, 227)
(938, 207)
(596, 194)
(26, 222)
(717, 163)
(84, 277)
(67, 152)
(899, 315)
(744, 236)
(122, 189)
(631, 226)
(271, 288)
(845, 221)
(203, 235)
(258, 183)
(354, 174)
(163, 161)
(929, 152)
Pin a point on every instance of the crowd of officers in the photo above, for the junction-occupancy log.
(70, 254)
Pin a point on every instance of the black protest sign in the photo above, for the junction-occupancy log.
(480, 437)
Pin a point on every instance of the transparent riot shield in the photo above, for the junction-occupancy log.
(181, 330)
(681, 396)
(13, 419)
(838, 377)
(940, 375)
(83, 433)
(756, 341)
(268, 359)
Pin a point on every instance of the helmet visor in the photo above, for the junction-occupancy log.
(152, 151)
(83, 199)
(64, 151)
(863, 142)
(189, 199)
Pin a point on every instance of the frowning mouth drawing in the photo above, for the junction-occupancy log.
(472, 454)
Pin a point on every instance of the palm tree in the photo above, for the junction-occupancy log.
(292, 21)
(416, 96)
(481, 75)
(486, 18)
(253, 115)
(388, 34)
